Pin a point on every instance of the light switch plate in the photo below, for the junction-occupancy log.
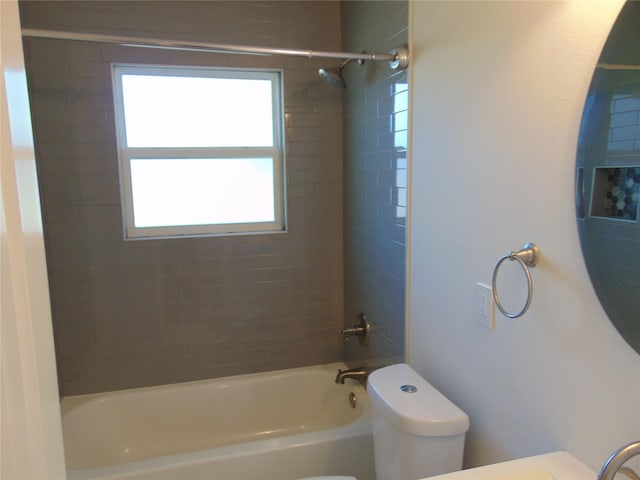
(483, 306)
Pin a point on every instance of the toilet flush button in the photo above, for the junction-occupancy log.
(409, 388)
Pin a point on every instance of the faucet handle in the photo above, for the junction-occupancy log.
(361, 329)
(629, 472)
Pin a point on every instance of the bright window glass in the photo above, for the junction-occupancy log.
(200, 150)
(202, 191)
(180, 111)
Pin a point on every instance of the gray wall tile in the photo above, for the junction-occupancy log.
(375, 166)
(136, 313)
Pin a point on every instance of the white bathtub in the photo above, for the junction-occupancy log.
(279, 425)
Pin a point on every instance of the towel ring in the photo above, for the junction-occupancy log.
(526, 257)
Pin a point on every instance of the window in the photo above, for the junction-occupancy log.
(200, 150)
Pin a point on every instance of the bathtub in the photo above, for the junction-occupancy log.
(279, 425)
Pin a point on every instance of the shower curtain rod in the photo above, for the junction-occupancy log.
(396, 56)
(617, 66)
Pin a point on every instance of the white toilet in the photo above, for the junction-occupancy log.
(417, 431)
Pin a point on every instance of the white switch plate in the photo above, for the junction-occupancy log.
(483, 308)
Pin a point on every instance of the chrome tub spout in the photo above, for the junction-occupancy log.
(359, 373)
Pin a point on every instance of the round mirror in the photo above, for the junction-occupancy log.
(608, 176)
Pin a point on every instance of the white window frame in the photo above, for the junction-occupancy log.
(126, 154)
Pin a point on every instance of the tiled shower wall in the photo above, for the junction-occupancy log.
(376, 118)
(135, 313)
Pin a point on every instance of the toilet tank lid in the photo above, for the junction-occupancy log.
(412, 404)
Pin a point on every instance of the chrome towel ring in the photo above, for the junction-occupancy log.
(527, 257)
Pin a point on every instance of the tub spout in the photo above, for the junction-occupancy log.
(360, 374)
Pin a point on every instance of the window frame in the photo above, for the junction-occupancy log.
(126, 154)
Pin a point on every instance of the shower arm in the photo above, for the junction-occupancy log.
(397, 58)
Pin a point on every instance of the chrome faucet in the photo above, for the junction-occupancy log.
(615, 462)
(360, 374)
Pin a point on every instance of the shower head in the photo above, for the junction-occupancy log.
(333, 76)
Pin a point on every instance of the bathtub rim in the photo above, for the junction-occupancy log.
(70, 402)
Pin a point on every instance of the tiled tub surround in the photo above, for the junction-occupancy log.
(136, 313)
(375, 180)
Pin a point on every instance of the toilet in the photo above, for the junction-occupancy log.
(417, 431)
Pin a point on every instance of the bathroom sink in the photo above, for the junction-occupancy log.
(550, 466)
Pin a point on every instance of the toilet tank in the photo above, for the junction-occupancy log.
(417, 431)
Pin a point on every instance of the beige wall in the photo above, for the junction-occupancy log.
(499, 92)
(137, 313)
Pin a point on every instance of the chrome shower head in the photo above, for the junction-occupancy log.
(333, 76)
